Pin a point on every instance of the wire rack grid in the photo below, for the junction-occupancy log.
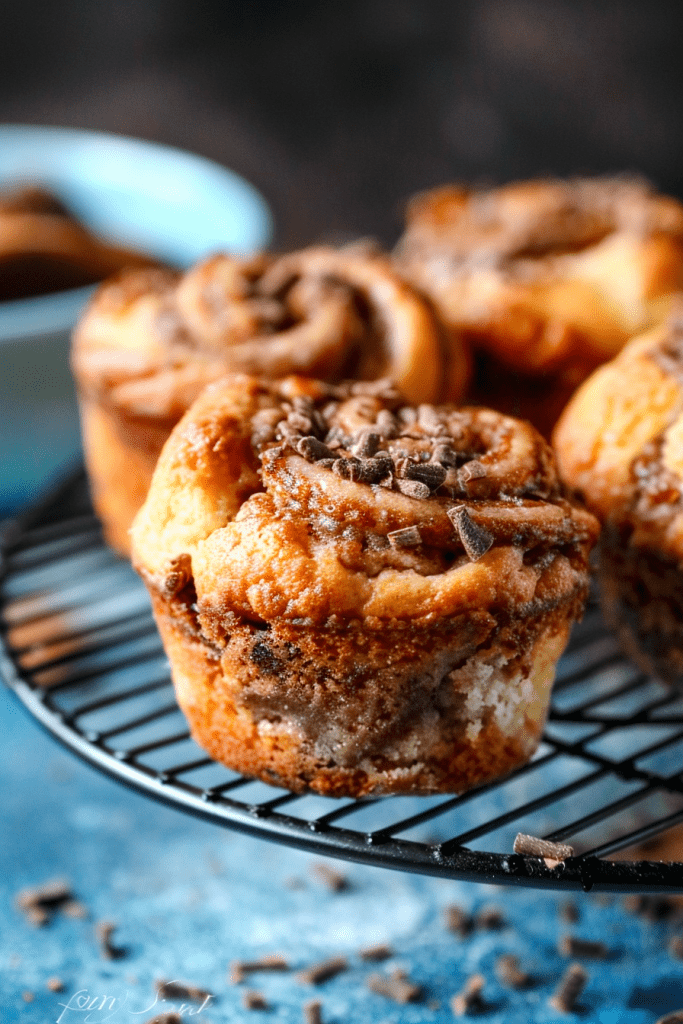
(79, 648)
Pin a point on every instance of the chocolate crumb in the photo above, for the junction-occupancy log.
(535, 847)
(475, 539)
(569, 912)
(413, 488)
(676, 947)
(54, 985)
(399, 989)
(671, 1018)
(323, 971)
(491, 918)
(470, 999)
(570, 987)
(432, 474)
(336, 881)
(252, 1000)
(108, 951)
(472, 470)
(409, 537)
(510, 973)
(182, 990)
(570, 945)
(314, 450)
(40, 902)
(366, 445)
(312, 1012)
(458, 921)
(28, 997)
(74, 908)
(376, 953)
(271, 962)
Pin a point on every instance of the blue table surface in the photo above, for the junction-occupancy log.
(188, 898)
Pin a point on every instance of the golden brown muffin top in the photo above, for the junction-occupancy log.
(149, 342)
(620, 440)
(320, 504)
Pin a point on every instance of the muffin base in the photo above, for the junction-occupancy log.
(325, 711)
(641, 594)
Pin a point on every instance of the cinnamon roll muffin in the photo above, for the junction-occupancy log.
(149, 343)
(44, 249)
(358, 595)
(548, 279)
(620, 444)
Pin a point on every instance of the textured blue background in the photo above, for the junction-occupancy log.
(188, 898)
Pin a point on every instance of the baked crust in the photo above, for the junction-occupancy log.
(620, 444)
(545, 278)
(356, 595)
(44, 249)
(150, 342)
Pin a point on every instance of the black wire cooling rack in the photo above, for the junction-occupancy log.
(79, 648)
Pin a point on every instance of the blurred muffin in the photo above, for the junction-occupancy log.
(548, 279)
(358, 595)
(151, 341)
(44, 249)
(620, 444)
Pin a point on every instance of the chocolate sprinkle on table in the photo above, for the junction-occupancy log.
(569, 912)
(271, 962)
(334, 880)
(676, 947)
(671, 1018)
(104, 931)
(376, 953)
(458, 921)
(491, 918)
(470, 999)
(323, 971)
(397, 988)
(312, 1012)
(54, 985)
(570, 945)
(475, 539)
(166, 1018)
(509, 972)
(182, 990)
(252, 1000)
(40, 902)
(570, 987)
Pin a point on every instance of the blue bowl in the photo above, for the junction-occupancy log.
(167, 203)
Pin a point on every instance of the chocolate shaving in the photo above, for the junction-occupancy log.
(252, 1000)
(271, 962)
(323, 971)
(376, 953)
(458, 921)
(182, 990)
(314, 450)
(303, 424)
(385, 424)
(313, 1012)
(472, 471)
(373, 470)
(446, 455)
(570, 945)
(476, 540)
(470, 999)
(430, 421)
(490, 918)
(554, 853)
(509, 972)
(347, 469)
(366, 445)
(397, 988)
(408, 537)
(570, 987)
(430, 473)
(413, 488)
(334, 880)
(108, 951)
